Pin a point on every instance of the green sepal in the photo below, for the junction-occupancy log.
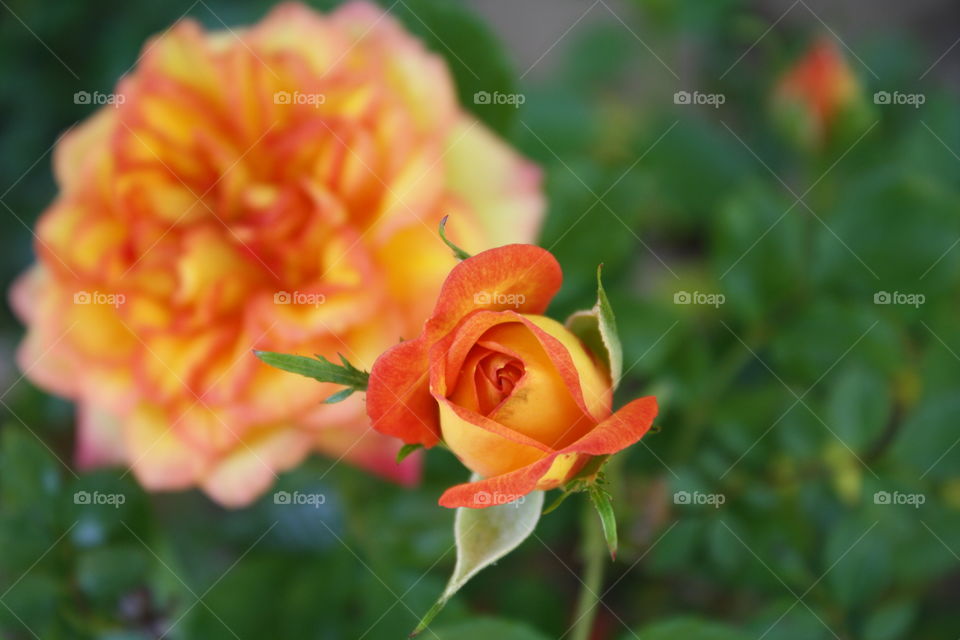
(597, 329)
(458, 253)
(406, 450)
(601, 502)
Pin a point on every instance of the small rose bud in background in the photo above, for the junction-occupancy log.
(819, 98)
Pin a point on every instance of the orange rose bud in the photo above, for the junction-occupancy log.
(813, 95)
(516, 396)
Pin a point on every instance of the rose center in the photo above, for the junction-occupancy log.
(496, 376)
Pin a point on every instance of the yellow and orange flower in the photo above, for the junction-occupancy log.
(278, 188)
(516, 396)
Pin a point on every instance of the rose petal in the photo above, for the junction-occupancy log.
(542, 406)
(160, 459)
(563, 361)
(617, 432)
(342, 431)
(547, 398)
(485, 446)
(449, 354)
(521, 277)
(251, 467)
(398, 395)
(595, 385)
(508, 217)
(99, 440)
(515, 277)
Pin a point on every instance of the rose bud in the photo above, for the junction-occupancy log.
(516, 396)
(819, 97)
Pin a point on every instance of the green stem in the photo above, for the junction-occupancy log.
(593, 551)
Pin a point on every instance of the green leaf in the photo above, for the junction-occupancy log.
(601, 501)
(104, 574)
(318, 368)
(689, 629)
(486, 628)
(339, 396)
(867, 557)
(483, 536)
(925, 447)
(597, 328)
(31, 482)
(858, 406)
(458, 253)
(406, 450)
(890, 621)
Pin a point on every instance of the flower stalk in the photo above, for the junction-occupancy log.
(593, 552)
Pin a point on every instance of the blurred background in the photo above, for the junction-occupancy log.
(780, 246)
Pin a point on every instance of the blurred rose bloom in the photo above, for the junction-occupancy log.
(278, 188)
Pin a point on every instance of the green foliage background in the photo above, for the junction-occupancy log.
(796, 400)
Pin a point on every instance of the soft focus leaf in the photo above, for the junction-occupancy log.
(485, 629)
(689, 629)
(318, 368)
(890, 622)
(483, 536)
(340, 396)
